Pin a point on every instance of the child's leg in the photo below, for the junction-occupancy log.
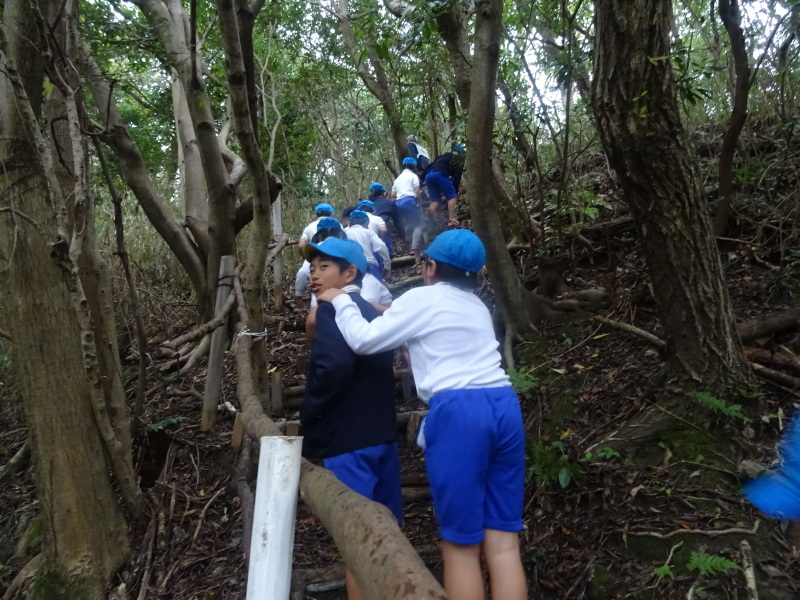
(353, 592)
(463, 579)
(506, 575)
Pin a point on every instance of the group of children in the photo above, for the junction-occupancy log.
(473, 435)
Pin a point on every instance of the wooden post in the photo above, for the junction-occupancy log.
(270, 571)
(217, 352)
(277, 265)
(407, 381)
(276, 393)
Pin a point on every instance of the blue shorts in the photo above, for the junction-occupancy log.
(376, 270)
(475, 456)
(373, 472)
(440, 185)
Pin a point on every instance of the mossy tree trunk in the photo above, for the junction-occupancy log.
(84, 535)
(639, 122)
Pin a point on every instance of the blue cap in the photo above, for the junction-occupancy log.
(777, 493)
(364, 205)
(459, 148)
(328, 223)
(348, 250)
(324, 207)
(460, 248)
(410, 160)
(359, 214)
(377, 187)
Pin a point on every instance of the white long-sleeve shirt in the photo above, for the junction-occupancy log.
(449, 333)
(372, 290)
(371, 243)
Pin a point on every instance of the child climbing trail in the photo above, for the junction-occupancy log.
(376, 223)
(386, 209)
(322, 211)
(348, 416)
(378, 260)
(406, 191)
(473, 436)
(443, 179)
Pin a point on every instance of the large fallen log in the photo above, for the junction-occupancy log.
(366, 534)
(772, 323)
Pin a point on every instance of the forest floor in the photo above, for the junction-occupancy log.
(598, 524)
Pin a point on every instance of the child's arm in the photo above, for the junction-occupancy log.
(401, 322)
(379, 246)
(332, 365)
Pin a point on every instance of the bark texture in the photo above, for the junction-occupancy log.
(85, 536)
(639, 123)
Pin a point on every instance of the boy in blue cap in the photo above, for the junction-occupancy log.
(443, 180)
(406, 190)
(348, 415)
(322, 210)
(384, 208)
(326, 227)
(375, 223)
(378, 261)
(473, 436)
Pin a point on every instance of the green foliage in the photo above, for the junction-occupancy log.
(522, 381)
(550, 464)
(710, 564)
(606, 453)
(719, 406)
(664, 571)
(163, 424)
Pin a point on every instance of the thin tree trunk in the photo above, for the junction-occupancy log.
(732, 20)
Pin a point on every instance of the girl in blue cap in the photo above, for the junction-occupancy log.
(473, 437)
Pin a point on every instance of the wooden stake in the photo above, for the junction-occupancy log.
(270, 571)
(277, 265)
(238, 432)
(217, 353)
(277, 394)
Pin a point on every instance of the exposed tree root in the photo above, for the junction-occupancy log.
(170, 349)
(246, 496)
(25, 573)
(200, 352)
(18, 462)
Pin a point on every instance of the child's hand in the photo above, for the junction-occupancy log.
(328, 295)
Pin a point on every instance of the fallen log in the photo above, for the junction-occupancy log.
(405, 283)
(398, 262)
(772, 358)
(764, 326)
(776, 376)
(366, 534)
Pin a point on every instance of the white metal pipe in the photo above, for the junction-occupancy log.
(270, 572)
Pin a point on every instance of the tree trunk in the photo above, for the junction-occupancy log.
(85, 542)
(639, 123)
(485, 182)
(376, 82)
(732, 20)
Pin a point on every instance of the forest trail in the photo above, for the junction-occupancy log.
(602, 536)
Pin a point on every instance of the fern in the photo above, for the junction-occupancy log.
(522, 381)
(719, 406)
(664, 571)
(710, 564)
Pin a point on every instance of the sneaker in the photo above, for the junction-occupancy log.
(412, 252)
(453, 224)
